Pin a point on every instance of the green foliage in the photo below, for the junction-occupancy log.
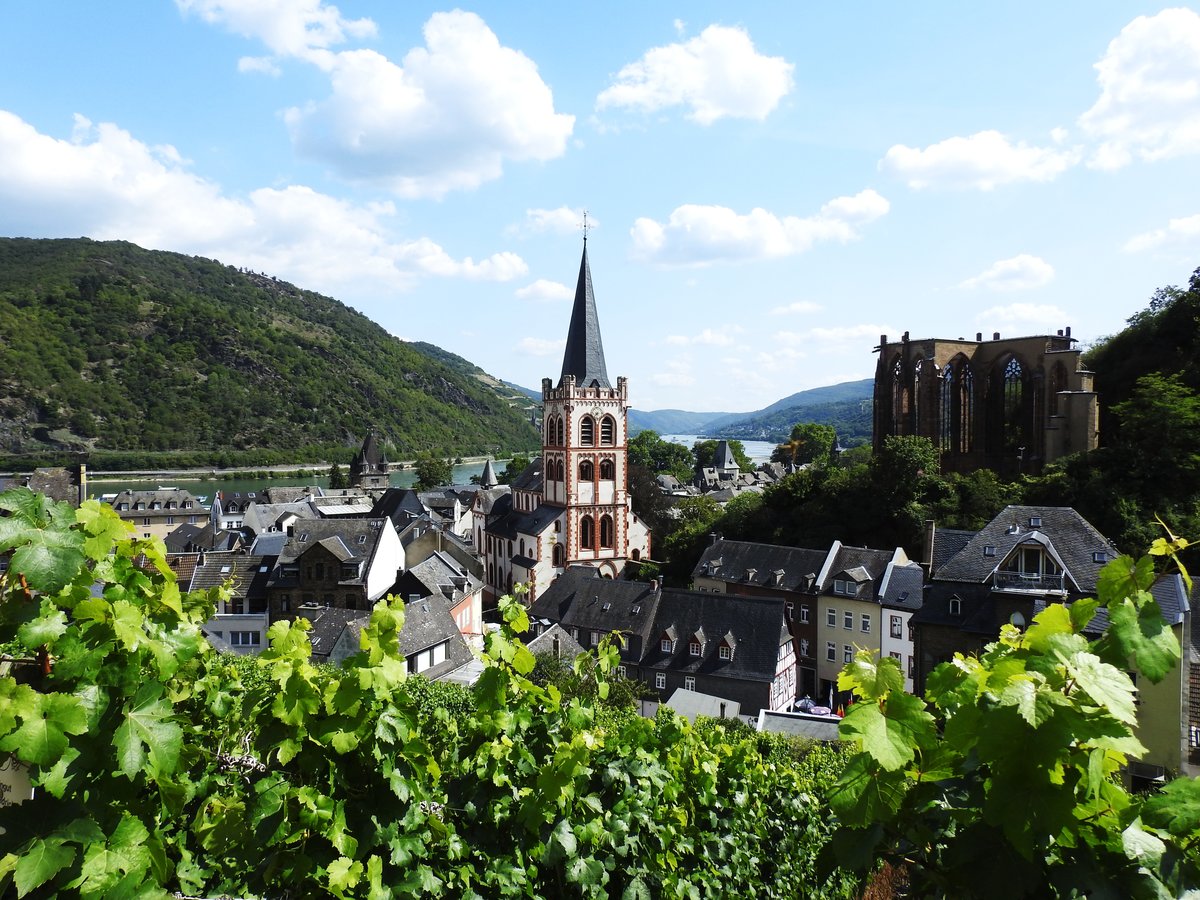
(162, 766)
(1007, 785)
(432, 471)
(338, 478)
(109, 347)
(808, 442)
(660, 457)
(515, 467)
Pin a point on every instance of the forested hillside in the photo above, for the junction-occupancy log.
(106, 346)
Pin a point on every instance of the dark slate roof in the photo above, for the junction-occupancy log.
(723, 456)
(269, 544)
(544, 642)
(531, 478)
(1071, 537)
(757, 624)
(904, 587)
(580, 598)
(730, 561)
(516, 522)
(494, 500)
(849, 560)
(488, 479)
(370, 458)
(978, 611)
(947, 542)
(440, 574)
(249, 573)
(327, 626)
(188, 538)
(264, 517)
(584, 356)
(428, 622)
(283, 493)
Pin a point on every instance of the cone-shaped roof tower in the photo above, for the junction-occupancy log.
(584, 357)
(488, 479)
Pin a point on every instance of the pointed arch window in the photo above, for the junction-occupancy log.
(557, 555)
(606, 531)
(608, 470)
(608, 431)
(900, 398)
(587, 470)
(965, 413)
(946, 424)
(558, 430)
(587, 533)
(1012, 398)
(919, 379)
(550, 430)
(587, 432)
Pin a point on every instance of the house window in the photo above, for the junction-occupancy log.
(606, 531)
(897, 627)
(587, 432)
(848, 621)
(864, 624)
(831, 617)
(955, 606)
(146, 523)
(170, 520)
(912, 672)
(596, 636)
(804, 647)
(689, 683)
(608, 430)
(245, 638)
(620, 671)
(1099, 556)
(803, 613)
(847, 653)
(694, 648)
(660, 680)
(665, 645)
(725, 652)
(587, 533)
(831, 651)
(285, 602)
(839, 586)
(789, 609)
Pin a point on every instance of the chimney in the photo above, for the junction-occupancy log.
(1060, 334)
(905, 338)
(927, 550)
(722, 709)
(200, 561)
(447, 591)
(459, 581)
(979, 336)
(995, 335)
(713, 537)
(654, 585)
(1068, 331)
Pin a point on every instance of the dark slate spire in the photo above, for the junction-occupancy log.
(584, 357)
(488, 479)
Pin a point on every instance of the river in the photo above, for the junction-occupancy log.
(758, 451)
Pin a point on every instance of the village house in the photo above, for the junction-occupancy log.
(1024, 559)
(240, 622)
(156, 513)
(731, 647)
(442, 574)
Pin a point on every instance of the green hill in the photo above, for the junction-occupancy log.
(105, 346)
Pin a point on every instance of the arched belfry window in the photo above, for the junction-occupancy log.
(587, 533)
(608, 470)
(587, 432)
(550, 430)
(558, 432)
(606, 531)
(587, 470)
(608, 431)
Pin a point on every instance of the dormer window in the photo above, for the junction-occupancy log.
(362, 538)
(725, 652)
(989, 550)
(1099, 556)
(694, 648)
(839, 586)
(955, 606)
(665, 645)
(1035, 521)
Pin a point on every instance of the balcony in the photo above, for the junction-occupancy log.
(1028, 582)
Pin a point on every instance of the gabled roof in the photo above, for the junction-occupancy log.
(584, 355)
(903, 587)
(531, 478)
(733, 561)
(723, 457)
(580, 598)
(308, 533)
(1071, 537)
(860, 564)
(439, 574)
(515, 522)
(947, 542)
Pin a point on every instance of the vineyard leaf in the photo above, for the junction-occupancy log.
(46, 722)
(40, 862)
(148, 722)
(1139, 632)
(45, 629)
(864, 793)
(1176, 808)
(889, 734)
(1124, 577)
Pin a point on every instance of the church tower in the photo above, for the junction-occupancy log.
(584, 448)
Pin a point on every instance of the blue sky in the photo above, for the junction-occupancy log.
(773, 185)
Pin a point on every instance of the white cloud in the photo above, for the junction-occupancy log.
(447, 119)
(1020, 273)
(707, 337)
(1149, 104)
(106, 184)
(532, 346)
(1185, 232)
(563, 220)
(697, 235)
(983, 161)
(299, 28)
(264, 65)
(836, 339)
(674, 373)
(544, 290)
(717, 74)
(1034, 317)
(800, 306)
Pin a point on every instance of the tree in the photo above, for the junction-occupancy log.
(660, 457)
(432, 471)
(704, 451)
(513, 469)
(808, 443)
(338, 478)
(1004, 781)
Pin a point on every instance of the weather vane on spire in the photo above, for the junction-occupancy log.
(585, 226)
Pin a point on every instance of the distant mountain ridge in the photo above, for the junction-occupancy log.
(105, 346)
(845, 406)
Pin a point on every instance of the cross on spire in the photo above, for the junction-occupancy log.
(585, 226)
